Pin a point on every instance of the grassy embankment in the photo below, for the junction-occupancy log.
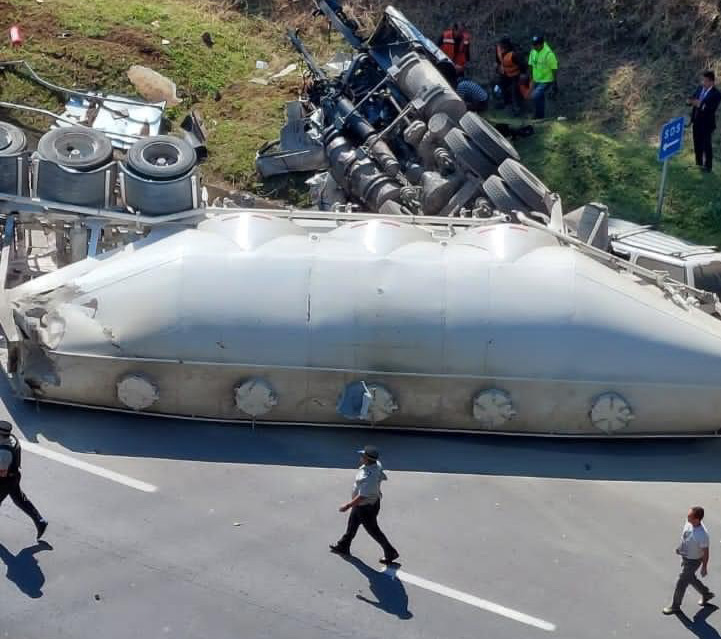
(583, 160)
(103, 39)
(623, 172)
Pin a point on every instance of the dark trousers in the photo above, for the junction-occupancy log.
(688, 578)
(511, 92)
(11, 486)
(702, 145)
(367, 516)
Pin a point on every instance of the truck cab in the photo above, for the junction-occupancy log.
(692, 264)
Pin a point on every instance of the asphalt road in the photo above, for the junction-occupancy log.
(578, 535)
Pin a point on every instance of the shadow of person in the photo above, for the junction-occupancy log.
(23, 569)
(388, 590)
(699, 624)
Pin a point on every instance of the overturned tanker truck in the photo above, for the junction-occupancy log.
(509, 319)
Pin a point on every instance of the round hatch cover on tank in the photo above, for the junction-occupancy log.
(255, 397)
(137, 392)
(610, 412)
(367, 402)
(493, 408)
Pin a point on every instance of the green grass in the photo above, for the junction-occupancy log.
(585, 165)
(581, 161)
(107, 37)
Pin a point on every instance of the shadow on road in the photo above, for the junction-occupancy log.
(23, 569)
(108, 433)
(390, 594)
(699, 625)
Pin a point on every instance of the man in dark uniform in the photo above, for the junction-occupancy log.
(705, 101)
(364, 506)
(10, 460)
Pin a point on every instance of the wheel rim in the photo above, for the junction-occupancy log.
(76, 147)
(160, 154)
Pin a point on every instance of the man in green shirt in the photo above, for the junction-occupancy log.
(544, 74)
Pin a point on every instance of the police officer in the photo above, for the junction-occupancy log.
(365, 505)
(10, 477)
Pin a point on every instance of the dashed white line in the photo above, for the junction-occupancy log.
(471, 600)
(88, 468)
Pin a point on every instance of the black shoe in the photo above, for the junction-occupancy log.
(389, 559)
(704, 600)
(42, 526)
(339, 550)
(671, 610)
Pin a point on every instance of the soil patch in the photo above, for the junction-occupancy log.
(131, 40)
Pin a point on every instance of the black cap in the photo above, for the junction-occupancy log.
(371, 452)
(5, 428)
(537, 39)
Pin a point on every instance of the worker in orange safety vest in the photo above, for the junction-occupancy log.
(511, 70)
(463, 51)
(447, 41)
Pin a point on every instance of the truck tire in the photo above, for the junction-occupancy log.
(467, 155)
(487, 138)
(501, 196)
(525, 185)
(12, 139)
(76, 147)
(162, 157)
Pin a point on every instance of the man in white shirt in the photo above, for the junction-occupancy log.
(694, 551)
(364, 506)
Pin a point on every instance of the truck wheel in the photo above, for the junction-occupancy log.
(525, 185)
(501, 196)
(162, 157)
(76, 147)
(12, 139)
(467, 155)
(487, 138)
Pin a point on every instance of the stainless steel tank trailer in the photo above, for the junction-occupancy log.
(505, 320)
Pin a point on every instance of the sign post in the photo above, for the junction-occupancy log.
(671, 143)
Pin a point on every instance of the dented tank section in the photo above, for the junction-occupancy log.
(490, 327)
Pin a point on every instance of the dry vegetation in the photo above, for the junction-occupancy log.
(625, 64)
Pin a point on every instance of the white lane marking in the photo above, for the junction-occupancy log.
(88, 468)
(471, 600)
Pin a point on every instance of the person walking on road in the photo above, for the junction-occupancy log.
(694, 551)
(544, 74)
(10, 460)
(364, 506)
(705, 100)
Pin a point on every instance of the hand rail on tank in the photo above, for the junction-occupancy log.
(661, 279)
(19, 204)
(10, 204)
